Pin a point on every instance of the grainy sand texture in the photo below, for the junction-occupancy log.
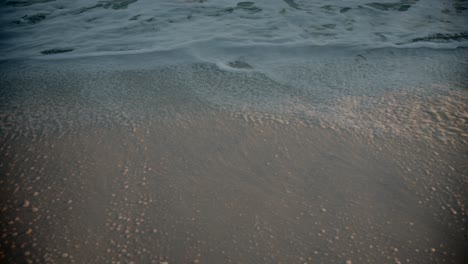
(358, 157)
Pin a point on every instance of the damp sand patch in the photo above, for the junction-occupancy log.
(32, 19)
(56, 51)
(26, 3)
(401, 6)
(239, 65)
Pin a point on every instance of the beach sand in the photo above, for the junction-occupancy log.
(140, 165)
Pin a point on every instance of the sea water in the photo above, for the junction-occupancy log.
(31, 28)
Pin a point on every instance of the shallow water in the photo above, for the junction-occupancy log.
(320, 156)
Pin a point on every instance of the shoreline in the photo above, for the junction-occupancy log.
(326, 161)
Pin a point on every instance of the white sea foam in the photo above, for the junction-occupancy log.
(90, 27)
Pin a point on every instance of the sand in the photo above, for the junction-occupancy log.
(140, 165)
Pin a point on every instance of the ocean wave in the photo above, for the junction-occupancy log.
(31, 28)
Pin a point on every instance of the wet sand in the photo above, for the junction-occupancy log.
(146, 171)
